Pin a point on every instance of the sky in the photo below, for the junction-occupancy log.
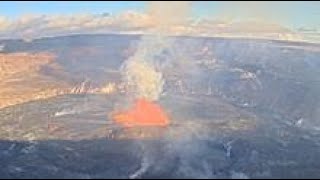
(35, 19)
(303, 14)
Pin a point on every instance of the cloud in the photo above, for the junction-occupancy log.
(4, 23)
(32, 26)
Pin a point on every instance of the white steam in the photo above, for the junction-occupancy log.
(142, 73)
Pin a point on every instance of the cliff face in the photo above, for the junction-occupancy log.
(21, 80)
(15, 63)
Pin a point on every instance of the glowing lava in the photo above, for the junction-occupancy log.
(143, 113)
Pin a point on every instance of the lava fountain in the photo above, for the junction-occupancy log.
(143, 113)
(143, 72)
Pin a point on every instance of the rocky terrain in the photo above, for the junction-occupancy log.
(22, 79)
(239, 108)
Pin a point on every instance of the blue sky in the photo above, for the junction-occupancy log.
(302, 14)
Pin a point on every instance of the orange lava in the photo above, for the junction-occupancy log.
(143, 113)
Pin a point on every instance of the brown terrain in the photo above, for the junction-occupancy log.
(21, 81)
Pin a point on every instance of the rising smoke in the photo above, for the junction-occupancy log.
(142, 73)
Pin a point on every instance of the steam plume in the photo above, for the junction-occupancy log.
(142, 72)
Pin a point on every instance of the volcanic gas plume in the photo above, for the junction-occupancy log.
(142, 73)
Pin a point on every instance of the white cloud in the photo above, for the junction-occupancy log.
(4, 23)
(36, 26)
